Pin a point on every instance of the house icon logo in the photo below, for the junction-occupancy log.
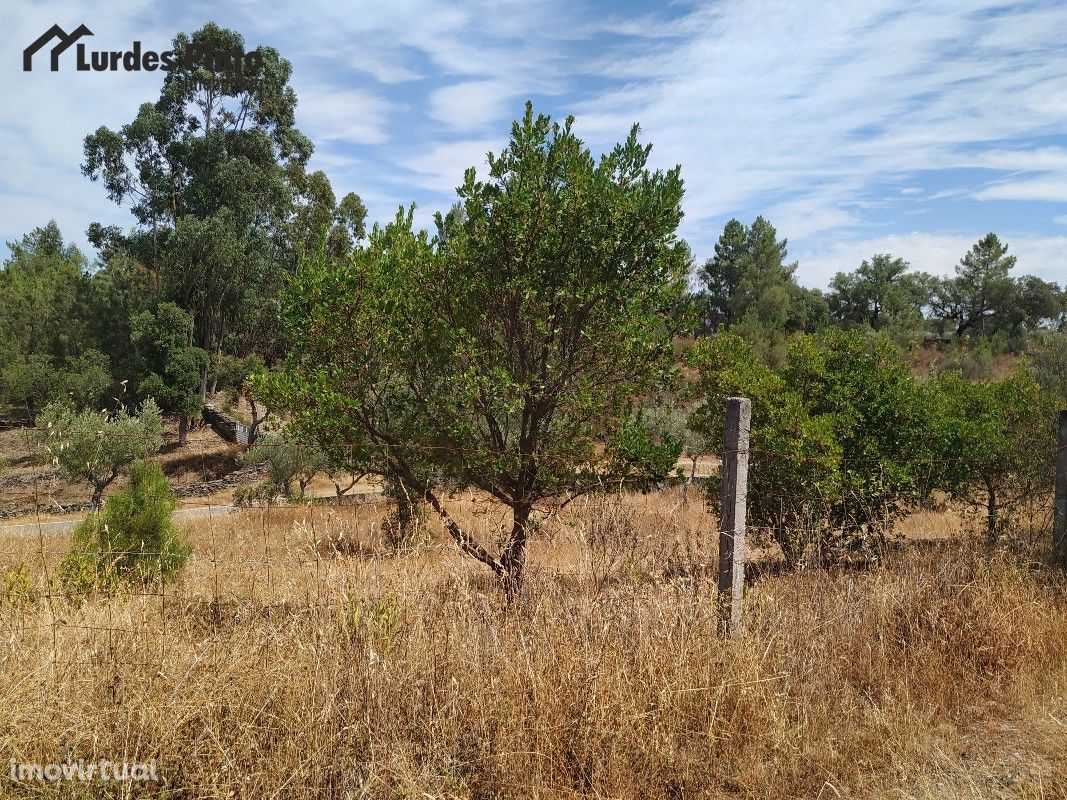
(232, 65)
(65, 41)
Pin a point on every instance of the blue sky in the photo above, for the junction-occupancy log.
(857, 128)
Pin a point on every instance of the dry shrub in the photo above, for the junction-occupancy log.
(273, 670)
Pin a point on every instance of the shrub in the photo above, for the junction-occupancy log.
(999, 443)
(287, 460)
(16, 591)
(840, 437)
(1048, 362)
(132, 539)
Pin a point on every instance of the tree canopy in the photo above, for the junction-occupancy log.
(500, 352)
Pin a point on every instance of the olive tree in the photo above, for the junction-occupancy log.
(97, 447)
(671, 421)
(504, 352)
(287, 461)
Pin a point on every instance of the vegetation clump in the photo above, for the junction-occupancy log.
(132, 540)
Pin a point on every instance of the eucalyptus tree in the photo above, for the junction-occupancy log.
(214, 172)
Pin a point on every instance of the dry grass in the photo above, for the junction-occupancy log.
(298, 659)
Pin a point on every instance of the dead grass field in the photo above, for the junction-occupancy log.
(298, 658)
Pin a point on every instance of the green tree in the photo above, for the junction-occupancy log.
(794, 469)
(171, 366)
(721, 277)
(499, 354)
(748, 288)
(132, 539)
(748, 276)
(981, 289)
(95, 447)
(1037, 305)
(1048, 362)
(840, 436)
(214, 173)
(288, 460)
(41, 317)
(88, 378)
(117, 292)
(670, 422)
(30, 381)
(998, 442)
(881, 293)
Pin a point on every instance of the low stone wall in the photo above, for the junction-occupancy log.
(349, 499)
(45, 508)
(198, 489)
(25, 479)
(226, 426)
(231, 481)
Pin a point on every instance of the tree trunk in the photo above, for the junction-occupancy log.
(206, 341)
(690, 479)
(513, 559)
(792, 549)
(404, 523)
(991, 514)
(183, 430)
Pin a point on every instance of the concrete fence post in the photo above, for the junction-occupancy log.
(734, 510)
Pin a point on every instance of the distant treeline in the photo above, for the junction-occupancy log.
(749, 288)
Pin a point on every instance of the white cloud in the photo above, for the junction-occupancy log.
(814, 114)
(809, 215)
(760, 101)
(352, 115)
(440, 169)
(472, 105)
(1053, 189)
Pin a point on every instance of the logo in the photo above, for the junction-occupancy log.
(232, 63)
(65, 41)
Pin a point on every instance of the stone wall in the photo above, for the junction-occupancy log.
(226, 426)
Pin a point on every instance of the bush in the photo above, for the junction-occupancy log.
(1048, 362)
(999, 443)
(288, 461)
(840, 438)
(132, 539)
